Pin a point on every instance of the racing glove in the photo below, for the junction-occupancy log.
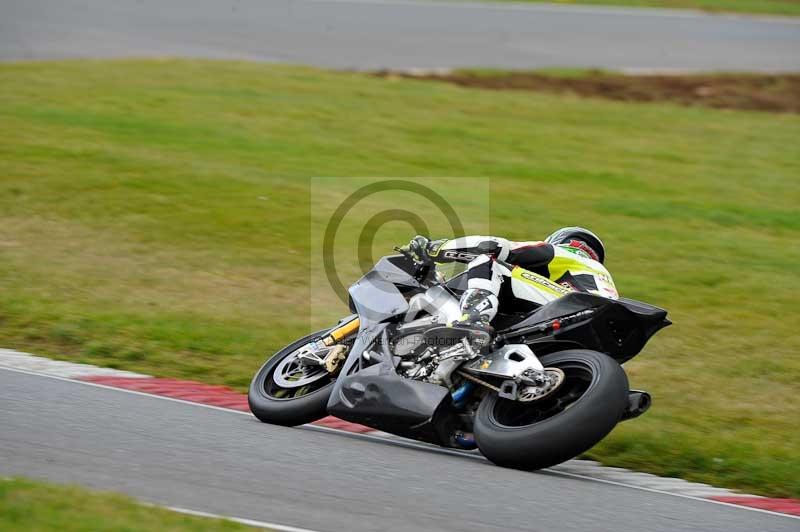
(419, 248)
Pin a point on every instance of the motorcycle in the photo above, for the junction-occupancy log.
(546, 388)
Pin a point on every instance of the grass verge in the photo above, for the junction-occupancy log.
(765, 7)
(755, 92)
(154, 216)
(34, 506)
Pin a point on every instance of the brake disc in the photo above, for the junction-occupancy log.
(291, 373)
(527, 394)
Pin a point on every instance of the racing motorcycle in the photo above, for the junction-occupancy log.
(546, 388)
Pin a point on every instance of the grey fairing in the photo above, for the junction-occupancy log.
(380, 398)
(377, 396)
(374, 299)
(364, 339)
(375, 296)
(391, 268)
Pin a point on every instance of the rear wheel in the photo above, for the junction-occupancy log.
(566, 423)
(284, 392)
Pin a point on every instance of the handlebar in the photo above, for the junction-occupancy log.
(406, 254)
(422, 269)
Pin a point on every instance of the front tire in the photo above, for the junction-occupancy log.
(580, 413)
(270, 405)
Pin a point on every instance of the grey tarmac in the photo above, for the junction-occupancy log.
(399, 34)
(223, 462)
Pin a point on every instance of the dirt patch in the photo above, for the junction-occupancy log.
(769, 92)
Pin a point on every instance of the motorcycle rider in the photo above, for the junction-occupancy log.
(522, 275)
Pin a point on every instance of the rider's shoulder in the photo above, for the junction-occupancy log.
(528, 244)
(565, 253)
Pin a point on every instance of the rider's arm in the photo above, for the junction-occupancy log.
(533, 256)
(467, 248)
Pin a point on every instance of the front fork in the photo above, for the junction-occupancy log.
(328, 352)
(341, 332)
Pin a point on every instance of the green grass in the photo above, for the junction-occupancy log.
(155, 216)
(768, 7)
(36, 506)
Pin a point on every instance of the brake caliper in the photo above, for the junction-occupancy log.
(335, 357)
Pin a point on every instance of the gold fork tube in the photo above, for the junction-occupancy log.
(342, 332)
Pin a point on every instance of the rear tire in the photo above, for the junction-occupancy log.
(289, 411)
(601, 390)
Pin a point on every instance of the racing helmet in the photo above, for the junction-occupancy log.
(581, 239)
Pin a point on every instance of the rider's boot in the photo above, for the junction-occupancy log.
(478, 307)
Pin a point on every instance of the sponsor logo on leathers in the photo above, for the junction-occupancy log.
(461, 256)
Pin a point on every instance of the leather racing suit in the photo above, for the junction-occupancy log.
(519, 275)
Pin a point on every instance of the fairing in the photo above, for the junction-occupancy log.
(380, 398)
(393, 404)
(376, 297)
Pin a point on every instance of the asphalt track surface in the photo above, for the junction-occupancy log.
(223, 462)
(371, 34)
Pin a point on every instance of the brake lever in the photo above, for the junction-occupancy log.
(406, 254)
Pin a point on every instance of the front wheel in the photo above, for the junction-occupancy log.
(284, 392)
(580, 413)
